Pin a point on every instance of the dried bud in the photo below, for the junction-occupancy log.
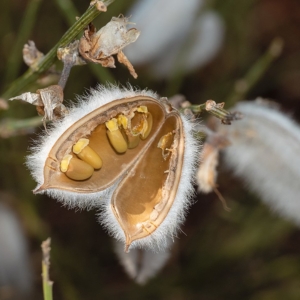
(98, 47)
(31, 55)
(70, 54)
(207, 173)
(209, 160)
(143, 190)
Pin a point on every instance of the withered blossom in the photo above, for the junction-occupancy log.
(100, 46)
(48, 102)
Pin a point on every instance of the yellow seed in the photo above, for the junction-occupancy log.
(132, 140)
(112, 124)
(142, 109)
(165, 144)
(115, 136)
(81, 144)
(64, 164)
(148, 128)
(117, 140)
(122, 120)
(75, 168)
(87, 154)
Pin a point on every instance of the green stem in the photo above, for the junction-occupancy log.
(244, 85)
(15, 59)
(11, 127)
(69, 12)
(216, 110)
(31, 75)
(47, 284)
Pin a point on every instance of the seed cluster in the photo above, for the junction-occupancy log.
(123, 132)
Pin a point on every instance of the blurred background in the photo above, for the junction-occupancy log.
(209, 50)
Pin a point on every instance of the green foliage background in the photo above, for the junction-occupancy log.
(249, 253)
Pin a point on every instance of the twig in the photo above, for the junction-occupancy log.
(15, 58)
(47, 283)
(69, 12)
(215, 109)
(244, 85)
(10, 127)
(30, 76)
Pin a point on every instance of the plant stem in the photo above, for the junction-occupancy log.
(15, 58)
(47, 284)
(10, 127)
(31, 75)
(69, 12)
(244, 85)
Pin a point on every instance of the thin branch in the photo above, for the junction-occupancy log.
(30, 76)
(15, 59)
(47, 283)
(69, 11)
(215, 109)
(10, 127)
(256, 72)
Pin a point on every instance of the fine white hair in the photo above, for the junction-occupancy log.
(264, 151)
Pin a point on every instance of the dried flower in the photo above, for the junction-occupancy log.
(48, 102)
(99, 47)
(148, 152)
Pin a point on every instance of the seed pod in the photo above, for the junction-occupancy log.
(143, 193)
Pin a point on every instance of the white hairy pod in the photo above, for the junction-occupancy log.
(143, 190)
(142, 264)
(264, 151)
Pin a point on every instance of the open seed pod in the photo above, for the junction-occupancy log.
(124, 151)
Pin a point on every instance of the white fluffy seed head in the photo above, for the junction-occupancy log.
(86, 104)
(264, 151)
